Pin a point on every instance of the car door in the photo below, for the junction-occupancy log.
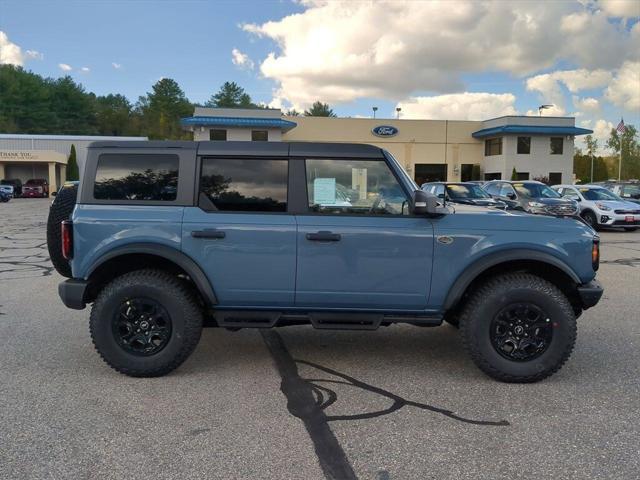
(241, 233)
(358, 246)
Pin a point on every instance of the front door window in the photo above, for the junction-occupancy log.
(354, 187)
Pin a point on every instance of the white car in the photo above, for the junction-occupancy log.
(601, 208)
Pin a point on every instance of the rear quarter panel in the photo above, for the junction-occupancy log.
(98, 229)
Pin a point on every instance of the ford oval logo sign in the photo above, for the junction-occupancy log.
(384, 131)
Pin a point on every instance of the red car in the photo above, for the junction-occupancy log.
(35, 187)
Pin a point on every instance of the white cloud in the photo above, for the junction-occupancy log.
(34, 55)
(588, 104)
(337, 52)
(620, 8)
(624, 90)
(64, 67)
(10, 53)
(459, 106)
(85, 70)
(117, 66)
(241, 60)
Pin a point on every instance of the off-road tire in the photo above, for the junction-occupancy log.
(175, 296)
(591, 219)
(60, 210)
(498, 292)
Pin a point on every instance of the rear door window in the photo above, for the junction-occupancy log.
(136, 177)
(243, 185)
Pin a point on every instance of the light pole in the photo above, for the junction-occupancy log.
(398, 112)
(544, 107)
(375, 109)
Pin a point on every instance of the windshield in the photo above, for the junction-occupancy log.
(535, 190)
(598, 194)
(631, 191)
(457, 191)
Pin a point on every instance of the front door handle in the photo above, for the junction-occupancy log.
(209, 233)
(323, 237)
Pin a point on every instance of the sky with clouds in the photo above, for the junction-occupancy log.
(434, 59)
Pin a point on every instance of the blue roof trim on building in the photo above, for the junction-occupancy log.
(238, 122)
(531, 129)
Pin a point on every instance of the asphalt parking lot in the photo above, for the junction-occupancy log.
(398, 403)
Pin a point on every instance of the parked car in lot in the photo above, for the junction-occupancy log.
(629, 191)
(7, 190)
(532, 196)
(16, 184)
(35, 187)
(465, 193)
(260, 234)
(4, 196)
(599, 207)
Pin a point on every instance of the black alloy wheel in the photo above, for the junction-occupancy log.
(142, 326)
(521, 332)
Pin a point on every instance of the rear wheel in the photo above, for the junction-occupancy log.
(518, 328)
(591, 219)
(60, 210)
(146, 323)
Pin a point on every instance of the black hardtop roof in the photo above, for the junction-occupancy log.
(265, 149)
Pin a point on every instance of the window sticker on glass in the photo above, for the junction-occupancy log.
(324, 191)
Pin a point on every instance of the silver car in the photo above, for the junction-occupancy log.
(601, 208)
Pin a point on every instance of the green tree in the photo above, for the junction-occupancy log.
(25, 102)
(161, 109)
(319, 109)
(73, 108)
(626, 145)
(230, 95)
(514, 174)
(114, 115)
(292, 113)
(73, 172)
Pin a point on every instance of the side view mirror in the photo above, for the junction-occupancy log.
(511, 196)
(441, 195)
(426, 204)
(53, 194)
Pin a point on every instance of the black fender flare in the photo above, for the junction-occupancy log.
(168, 253)
(491, 260)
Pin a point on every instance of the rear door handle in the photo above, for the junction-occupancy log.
(209, 233)
(323, 237)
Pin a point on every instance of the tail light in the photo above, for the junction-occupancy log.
(595, 254)
(67, 239)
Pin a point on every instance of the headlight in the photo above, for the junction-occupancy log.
(602, 206)
(536, 204)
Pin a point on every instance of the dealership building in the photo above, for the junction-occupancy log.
(429, 150)
(43, 156)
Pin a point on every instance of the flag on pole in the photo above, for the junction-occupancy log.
(621, 128)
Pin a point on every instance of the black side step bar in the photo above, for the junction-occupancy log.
(321, 320)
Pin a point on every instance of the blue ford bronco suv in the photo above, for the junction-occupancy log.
(163, 238)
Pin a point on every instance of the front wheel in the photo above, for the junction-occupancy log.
(146, 323)
(518, 328)
(591, 219)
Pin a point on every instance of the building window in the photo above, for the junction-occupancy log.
(136, 177)
(259, 135)
(492, 146)
(236, 185)
(556, 145)
(522, 175)
(430, 172)
(218, 135)
(524, 145)
(555, 178)
(492, 176)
